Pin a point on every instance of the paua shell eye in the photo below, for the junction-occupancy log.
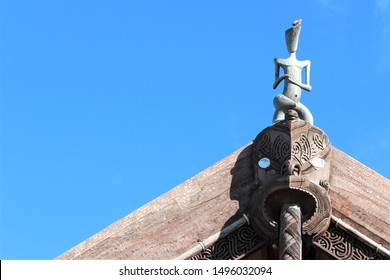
(264, 162)
(318, 162)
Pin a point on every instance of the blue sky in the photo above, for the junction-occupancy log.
(106, 105)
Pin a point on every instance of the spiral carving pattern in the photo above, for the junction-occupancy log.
(301, 150)
(234, 246)
(343, 246)
(335, 242)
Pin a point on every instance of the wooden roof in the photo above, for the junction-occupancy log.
(215, 198)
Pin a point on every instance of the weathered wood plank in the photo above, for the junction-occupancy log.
(198, 208)
(361, 197)
(170, 224)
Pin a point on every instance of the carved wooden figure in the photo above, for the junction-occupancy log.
(291, 161)
(291, 96)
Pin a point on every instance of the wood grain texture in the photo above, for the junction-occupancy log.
(360, 197)
(171, 224)
(200, 207)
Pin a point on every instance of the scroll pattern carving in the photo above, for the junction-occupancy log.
(265, 144)
(280, 149)
(301, 150)
(304, 148)
(319, 143)
(232, 247)
(277, 149)
(343, 246)
(336, 242)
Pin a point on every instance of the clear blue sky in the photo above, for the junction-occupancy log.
(106, 105)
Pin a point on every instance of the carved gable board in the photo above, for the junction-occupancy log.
(200, 207)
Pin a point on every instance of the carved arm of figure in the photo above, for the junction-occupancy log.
(277, 72)
(278, 80)
(307, 70)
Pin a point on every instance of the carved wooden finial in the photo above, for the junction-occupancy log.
(293, 68)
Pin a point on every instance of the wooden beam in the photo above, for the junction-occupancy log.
(215, 198)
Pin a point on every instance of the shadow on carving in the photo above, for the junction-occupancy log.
(243, 241)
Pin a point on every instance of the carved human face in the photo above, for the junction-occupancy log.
(291, 167)
(298, 150)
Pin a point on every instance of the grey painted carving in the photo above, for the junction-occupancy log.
(292, 77)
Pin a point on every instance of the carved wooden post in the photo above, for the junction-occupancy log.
(290, 234)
